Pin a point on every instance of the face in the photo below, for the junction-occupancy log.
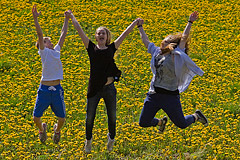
(165, 42)
(48, 43)
(101, 36)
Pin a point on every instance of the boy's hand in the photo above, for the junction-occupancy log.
(35, 12)
(194, 16)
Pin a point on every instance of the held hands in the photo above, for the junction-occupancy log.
(35, 12)
(68, 14)
(140, 22)
(193, 17)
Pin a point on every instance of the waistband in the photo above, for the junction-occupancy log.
(164, 91)
(51, 88)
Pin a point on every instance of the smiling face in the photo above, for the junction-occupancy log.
(48, 43)
(101, 36)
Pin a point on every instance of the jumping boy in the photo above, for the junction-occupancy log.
(50, 91)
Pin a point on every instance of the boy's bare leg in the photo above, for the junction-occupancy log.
(57, 127)
(60, 123)
(42, 129)
(38, 122)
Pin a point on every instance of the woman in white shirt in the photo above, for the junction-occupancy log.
(172, 72)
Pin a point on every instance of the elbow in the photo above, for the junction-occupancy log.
(146, 43)
(184, 37)
(64, 32)
(40, 34)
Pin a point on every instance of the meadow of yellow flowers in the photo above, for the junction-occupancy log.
(214, 47)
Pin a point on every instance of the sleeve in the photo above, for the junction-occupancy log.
(153, 49)
(90, 45)
(179, 49)
(40, 52)
(90, 48)
(57, 48)
(185, 69)
(112, 45)
(192, 66)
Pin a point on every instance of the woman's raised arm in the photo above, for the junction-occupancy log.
(193, 17)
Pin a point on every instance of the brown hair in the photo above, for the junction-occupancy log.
(44, 41)
(176, 37)
(109, 36)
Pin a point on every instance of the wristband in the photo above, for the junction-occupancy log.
(190, 21)
(139, 26)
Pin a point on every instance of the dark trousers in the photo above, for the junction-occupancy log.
(170, 104)
(108, 93)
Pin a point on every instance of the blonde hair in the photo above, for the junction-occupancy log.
(44, 41)
(176, 37)
(109, 36)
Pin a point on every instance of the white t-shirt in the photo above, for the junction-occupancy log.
(51, 64)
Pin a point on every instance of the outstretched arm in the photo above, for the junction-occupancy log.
(120, 39)
(143, 35)
(67, 15)
(38, 28)
(80, 31)
(193, 17)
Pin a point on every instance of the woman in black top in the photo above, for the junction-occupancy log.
(103, 72)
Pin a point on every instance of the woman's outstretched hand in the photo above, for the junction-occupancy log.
(194, 16)
(35, 12)
(140, 21)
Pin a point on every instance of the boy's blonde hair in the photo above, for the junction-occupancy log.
(109, 36)
(44, 41)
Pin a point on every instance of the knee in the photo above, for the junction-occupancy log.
(90, 117)
(61, 119)
(112, 119)
(36, 119)
(143, 123)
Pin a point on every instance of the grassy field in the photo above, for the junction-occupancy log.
(214, 47)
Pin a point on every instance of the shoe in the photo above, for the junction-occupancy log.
(43, 134)
(110, 143)
(56, 136)
(162, 126)
(88, 146)
(201, 118)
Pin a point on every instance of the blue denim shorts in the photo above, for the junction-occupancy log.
(50, 96)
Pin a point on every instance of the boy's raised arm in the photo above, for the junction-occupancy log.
(38, 28)
(67, 15)
(80, 30)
